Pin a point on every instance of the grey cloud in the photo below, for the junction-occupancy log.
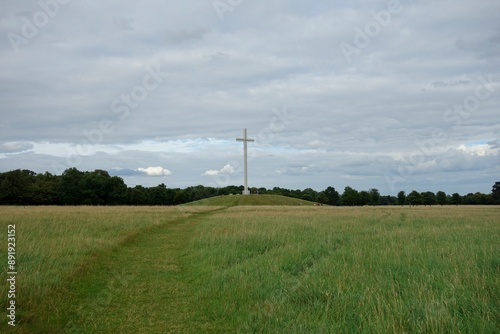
(495, 143)
(124, 172)
(451, 83)
(125, 24)
(186, 35)
(486, 45)
(348, 119)
(15, 147)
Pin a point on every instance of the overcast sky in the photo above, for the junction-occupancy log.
(393, 95)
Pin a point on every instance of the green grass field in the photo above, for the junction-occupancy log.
(240, 200)
(247, 269)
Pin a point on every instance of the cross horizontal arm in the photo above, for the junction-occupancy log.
(243, 139)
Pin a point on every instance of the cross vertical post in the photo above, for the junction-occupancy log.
(245, 140)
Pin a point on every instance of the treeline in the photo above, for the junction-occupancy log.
(74, 187)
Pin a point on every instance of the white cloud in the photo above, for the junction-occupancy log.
(155, 171)
(479, 149)
(227, 169)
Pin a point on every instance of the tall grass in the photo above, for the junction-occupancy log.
(364, 270)
(248, 269)
(58, 245)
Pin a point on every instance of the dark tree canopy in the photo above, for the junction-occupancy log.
(350, 197)
(441, 198)
(402, 198)
(74, 187)
(456, 199)
(495, 191)
(332, 196)
(414, 198)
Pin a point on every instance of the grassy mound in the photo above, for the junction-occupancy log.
(236, 200)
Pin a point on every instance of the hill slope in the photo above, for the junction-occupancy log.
(235, 200)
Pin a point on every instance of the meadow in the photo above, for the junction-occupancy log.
(253, 269)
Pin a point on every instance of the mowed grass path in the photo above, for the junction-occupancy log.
(96, 269)
(263, 269)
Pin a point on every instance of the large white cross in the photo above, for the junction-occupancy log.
(245, 140)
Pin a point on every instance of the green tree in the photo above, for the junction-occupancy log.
(45, 189)
(309, 194)
(401, 198)
(364, 198)
(94, 187)
(477, 199)
(262, 191)
(99, 188)
(297, 193)
(388, 200)
(116, 191)
(456, 199)
(196, 193)
(414, 198)
(16, 187)
(181, 197)
(159, 195)
(307, 197)
(375, 196)
(333, 196)
(428, 198)
(495, 192)
(350, 197)
(235, 190)
(71, 187)
(322, 198)
(441, 198)
(138, 196)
